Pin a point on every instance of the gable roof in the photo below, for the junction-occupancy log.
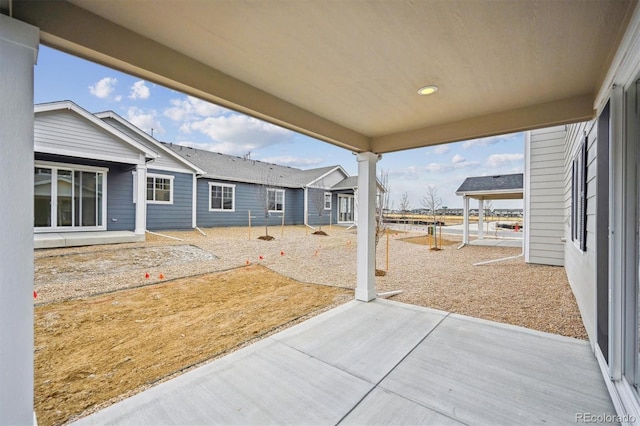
(148, 138)
(72, 106)
(493, 187)
(350, 182)
(227, 167)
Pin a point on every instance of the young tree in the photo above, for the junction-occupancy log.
(382, 204)
(432, 203)
(404, 205)
(488, 208)
(318, 201)
(269, 198)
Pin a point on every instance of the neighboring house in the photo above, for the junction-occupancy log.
(83, 178)
(170, 180)
(234, 190)
(481, 188)
(87, 171)
(91, 170)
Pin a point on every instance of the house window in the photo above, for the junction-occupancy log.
(159, 189)
(69, 197)
(275, 200)
(221, 197)
(327, 201)
(579, 197)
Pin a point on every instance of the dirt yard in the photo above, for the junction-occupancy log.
(113, 320)
(89, 351)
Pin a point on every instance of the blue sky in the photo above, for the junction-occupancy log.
(178, 118)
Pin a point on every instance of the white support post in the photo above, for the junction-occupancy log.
(480, 218)
(465, 220)
(18, 53)
(141, 199)
(366, 254)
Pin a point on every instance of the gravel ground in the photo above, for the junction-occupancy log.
(513, 292)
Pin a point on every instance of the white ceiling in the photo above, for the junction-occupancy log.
(348, 71)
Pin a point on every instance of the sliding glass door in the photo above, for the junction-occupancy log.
(69, 198)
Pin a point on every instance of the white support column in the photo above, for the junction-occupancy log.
(18, 53)
(141, 199)
(480, 218)
(465, 220)
(366, 211)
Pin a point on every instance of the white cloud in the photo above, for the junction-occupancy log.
(492, 140)
(103, 88)
(441, 149)
(496, 160)
(192, 109)
(236, 134)
(139, 90)
(299, 162)
(457, 159)
(145, 120)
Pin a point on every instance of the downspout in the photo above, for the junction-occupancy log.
(194, 198)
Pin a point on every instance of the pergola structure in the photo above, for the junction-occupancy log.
(481, 188)
(353, 74)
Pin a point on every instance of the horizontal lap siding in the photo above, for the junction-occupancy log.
(546, 194)
(177, 215)
(121, 212)
(66, 131)
(317, 214)
(247, 199)
(579, 265)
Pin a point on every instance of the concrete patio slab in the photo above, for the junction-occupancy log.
(481, 372)
(497, 242)
(382, 362)
(369, 341)
(266, 383)
(75, 239)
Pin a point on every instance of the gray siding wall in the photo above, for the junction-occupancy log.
(69, 134)
(579, 265)
(178, 214)
(121, 212)
(315, 197)
(245, 201)
(546, 191)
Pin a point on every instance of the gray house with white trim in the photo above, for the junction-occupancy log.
(90, 170)
(233, 191)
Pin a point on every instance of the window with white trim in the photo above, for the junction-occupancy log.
(159, 189)
(69, 197)
(327, 201)
(579, 197)
(222, 197)
(275, 200)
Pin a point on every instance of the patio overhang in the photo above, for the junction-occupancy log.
(348, 74)
(343, 72)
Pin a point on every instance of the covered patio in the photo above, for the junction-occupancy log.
(362, 76)
(383, 362)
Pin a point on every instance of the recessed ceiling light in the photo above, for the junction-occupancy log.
(428, 90)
